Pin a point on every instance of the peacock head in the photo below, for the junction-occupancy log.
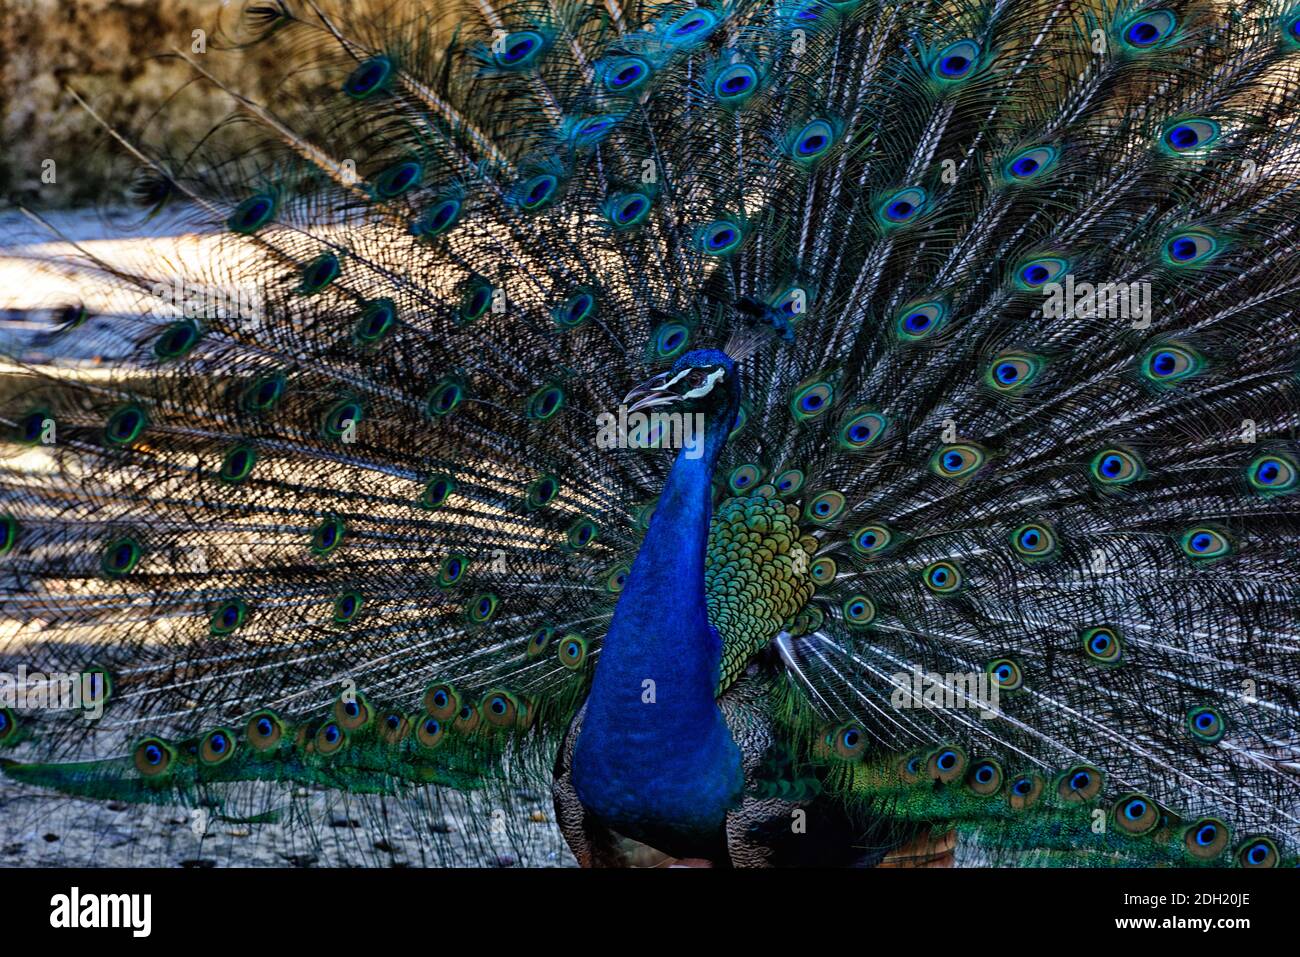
(704, 381)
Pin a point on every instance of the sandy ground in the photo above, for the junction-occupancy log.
(42, 830)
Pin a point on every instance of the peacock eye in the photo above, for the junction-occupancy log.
(859, 610)
(263, 394)
(811, 400)
(1036, 273)
(264, 730)
(1005, 673)
(452, 570)
(371, 76)
(824, 508)
(125, 425)
(377, 319)
(862, 430)
(32, 426)
(501, 708)
(1171, 363)
(1080, 783)
(1116, 467)
(591, 131)
(942, 578)
(330, 738)
(397, 180)
(429, 732)
(850, 742)
(1206, 725)
(1102, 644)
(945, 764)
(1030, 164)
(474, 303)
(1258, 852)
(436, 491)
(692, 27)
(1204, 543)
(437, 219)
(178, 339)
(985, 778)
(481, 608)
(325, 538)
(537, 644)
(217, 747)
(227, 618)
(1206, 839)
(920, 320)
(719, 238)
(735, 84)
(252, 214)
(153, 757)
(536, 192)
(519, 50)
(812, 141)
(8, 533)
(1136, 814)
(1025, 791)
(957, 461)
(444, 397)
(1190, 248)
(1273, 474)
(872, 540)
(340, 420)
(572, 651)
(823, 570)
(903, 206)
(792, 302)
(626, 210)
(237, 464)
(1147, 30)
(1034, 541)
(1186, 136)
(745, 477)
(120, 557)
(1012, 372)
(626, 74)
(789, 481)
(616, 579)
(956, 61)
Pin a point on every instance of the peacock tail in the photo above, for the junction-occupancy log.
(1003, 533)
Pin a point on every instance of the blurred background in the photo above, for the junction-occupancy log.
(115, 54)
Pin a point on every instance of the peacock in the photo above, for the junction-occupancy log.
(788, 432)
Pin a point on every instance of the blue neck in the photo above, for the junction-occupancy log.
(655, 758)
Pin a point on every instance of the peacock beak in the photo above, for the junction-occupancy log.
(654, 391)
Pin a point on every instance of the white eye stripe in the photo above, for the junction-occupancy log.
(675, 379)
(708, 385)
